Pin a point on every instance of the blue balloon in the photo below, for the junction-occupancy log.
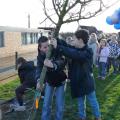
(115, 18)
(117, 26)
(119, 13)
(109, 20)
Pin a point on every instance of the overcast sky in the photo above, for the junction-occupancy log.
(14, 13)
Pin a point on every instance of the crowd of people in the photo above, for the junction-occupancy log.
(106, 54)
(80, 53)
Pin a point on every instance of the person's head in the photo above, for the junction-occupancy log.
(114, 38)
(70, 40)
(93, 37)
(103, 43)
(21, 61)
(81, 37)
(43, 44)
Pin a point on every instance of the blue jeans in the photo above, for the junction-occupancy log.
(93, 103)
(49, 92)
(102, 69)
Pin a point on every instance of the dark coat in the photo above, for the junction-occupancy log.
(80, 69)
(54, 76)
(26, 73)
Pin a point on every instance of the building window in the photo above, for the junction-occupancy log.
(24, 38)
(29, 38)
(1, 39)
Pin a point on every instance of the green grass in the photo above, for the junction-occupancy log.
(108, 95)
(7, 90)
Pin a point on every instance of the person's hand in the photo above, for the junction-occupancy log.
(38, 87)
(53, 42)
(48, 63)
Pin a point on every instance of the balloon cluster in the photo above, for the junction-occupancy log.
(114, 19)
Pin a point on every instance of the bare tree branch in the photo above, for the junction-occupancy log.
(47, 18)
(43, 20)
(63, 12)
(78, 16)
(54, 5)
(45, 11)
(68, 11)
(58, 4)
(70, 7)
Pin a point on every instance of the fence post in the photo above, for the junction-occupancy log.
(16, 57)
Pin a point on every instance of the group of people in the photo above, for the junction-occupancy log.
(80, 54)
(106, 54)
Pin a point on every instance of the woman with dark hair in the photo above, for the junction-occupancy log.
(54, 80)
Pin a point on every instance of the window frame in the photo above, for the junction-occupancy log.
(3, 39)
(33, 38)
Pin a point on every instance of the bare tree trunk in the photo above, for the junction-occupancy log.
(44, 70)
(57, 29)
(55, 35)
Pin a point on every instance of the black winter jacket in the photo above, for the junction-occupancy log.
(80, 68)
(26, 72)
(55, 76)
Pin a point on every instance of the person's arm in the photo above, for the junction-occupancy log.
(118, 51)
(63, 43)
(21, 75)
(94, 49)
(40, 62)
(59, 64)
(75, 54)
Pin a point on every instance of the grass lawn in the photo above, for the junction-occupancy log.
(7, 90)
(108, 94)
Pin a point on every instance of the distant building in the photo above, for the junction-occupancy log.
(47, 29)
(91, 29)
(22, 40)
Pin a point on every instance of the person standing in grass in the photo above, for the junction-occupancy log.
(113, 54)
(54, 80)
(102, 59)
(81, 72)
(93, 43)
